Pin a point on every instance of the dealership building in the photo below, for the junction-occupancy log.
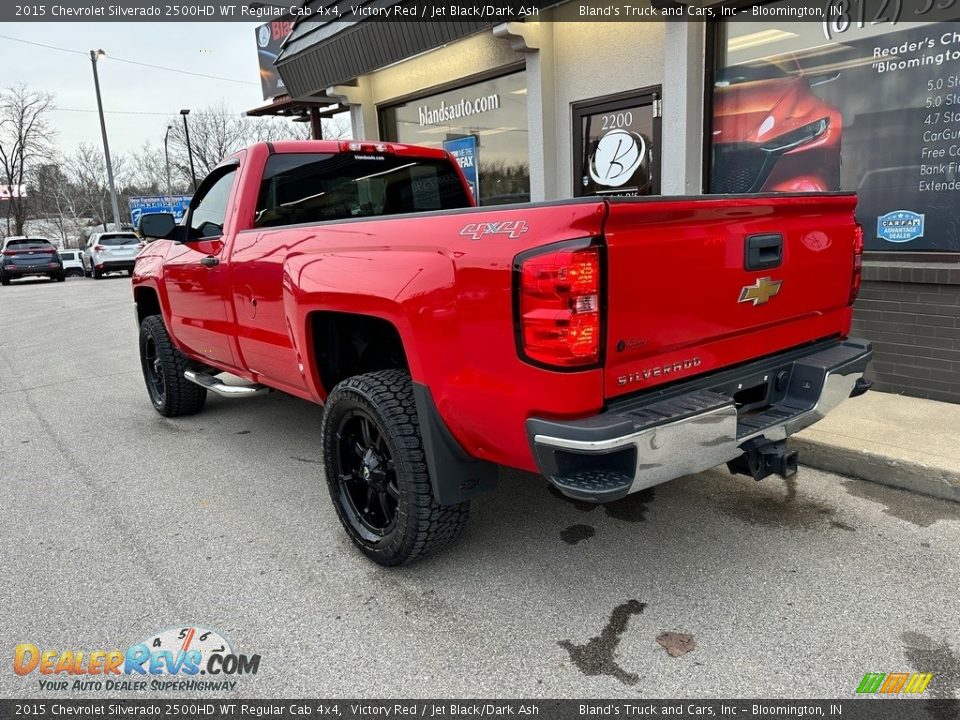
(557, 106)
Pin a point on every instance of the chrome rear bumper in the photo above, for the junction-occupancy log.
(694, 426)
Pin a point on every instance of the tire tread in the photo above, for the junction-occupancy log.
(182, 396)
(427, 525)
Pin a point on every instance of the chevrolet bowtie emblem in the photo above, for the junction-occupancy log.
(761, 291)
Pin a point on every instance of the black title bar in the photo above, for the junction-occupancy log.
(858, 13)
(180, 708)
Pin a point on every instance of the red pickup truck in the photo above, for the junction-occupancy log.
(609, 343)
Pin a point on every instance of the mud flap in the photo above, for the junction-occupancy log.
(455, 476)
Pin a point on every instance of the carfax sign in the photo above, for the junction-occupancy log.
(900, 226)
(464, 149)
(146, 204)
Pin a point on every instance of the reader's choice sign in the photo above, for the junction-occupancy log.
(874, 111)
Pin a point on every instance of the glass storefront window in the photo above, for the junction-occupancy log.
(484, 125)
(871, 108)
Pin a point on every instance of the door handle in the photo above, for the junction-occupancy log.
(210, 261)
(763, 252)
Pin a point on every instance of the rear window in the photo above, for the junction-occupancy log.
(66, 255)
(313, 187)
(28, 244)
(113, 240)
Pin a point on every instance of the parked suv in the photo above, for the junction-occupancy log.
(72, 262)
(110, 252)
(29, 257)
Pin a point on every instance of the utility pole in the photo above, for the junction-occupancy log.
(94, 55)
(186, 132)
(166, 156)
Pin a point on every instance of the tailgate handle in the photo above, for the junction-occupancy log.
(763, 251)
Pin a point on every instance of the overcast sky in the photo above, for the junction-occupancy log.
(228, 50)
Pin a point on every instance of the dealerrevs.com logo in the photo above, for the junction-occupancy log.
(187, 659)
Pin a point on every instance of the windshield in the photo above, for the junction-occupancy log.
(113, 240)
(313, 187)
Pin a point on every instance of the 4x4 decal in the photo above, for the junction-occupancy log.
(511, 228)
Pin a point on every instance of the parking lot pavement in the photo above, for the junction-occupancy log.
(118, 523)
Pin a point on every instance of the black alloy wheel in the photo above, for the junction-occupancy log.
(377, 474)
(366, 475)
(153, 370)
(163, 366)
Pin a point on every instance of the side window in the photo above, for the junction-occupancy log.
(208, 215)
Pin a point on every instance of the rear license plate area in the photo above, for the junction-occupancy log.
(751, 395)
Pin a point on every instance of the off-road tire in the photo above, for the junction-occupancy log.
(179, 396)
(421, 525)
(74, 272)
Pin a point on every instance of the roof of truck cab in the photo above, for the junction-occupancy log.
(335, 146)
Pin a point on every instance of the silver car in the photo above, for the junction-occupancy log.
(110, 252)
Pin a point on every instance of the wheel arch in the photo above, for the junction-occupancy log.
(344, 343)
(413, 290)
(147, 302)
(335, 336)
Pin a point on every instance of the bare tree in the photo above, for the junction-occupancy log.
(86, 192)
(147, 173)
(215, 133)
(25, 141)
(72, 190)
(338, 127)
(48, 186)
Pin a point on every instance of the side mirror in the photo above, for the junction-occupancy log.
(156, 225)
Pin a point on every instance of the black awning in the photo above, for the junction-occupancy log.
(326, 49)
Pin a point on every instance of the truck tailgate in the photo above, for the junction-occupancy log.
(682, 299)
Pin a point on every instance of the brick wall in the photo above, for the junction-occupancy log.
(911, 312)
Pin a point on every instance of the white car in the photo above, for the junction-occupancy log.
(72, 262)
(110, 252)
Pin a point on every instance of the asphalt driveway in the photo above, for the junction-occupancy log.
(117, 524)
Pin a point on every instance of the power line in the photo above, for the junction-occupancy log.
(183, 72)
(131, 62)
(137, 112)
(49, 47)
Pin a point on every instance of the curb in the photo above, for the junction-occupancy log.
(936, 482)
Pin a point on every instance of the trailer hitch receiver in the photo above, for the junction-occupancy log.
(764, 458)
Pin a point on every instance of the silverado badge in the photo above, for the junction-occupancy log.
(761, 291)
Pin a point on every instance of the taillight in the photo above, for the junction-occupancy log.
(857, 263)
(558, 305)
(364, 147)
(98, 248)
